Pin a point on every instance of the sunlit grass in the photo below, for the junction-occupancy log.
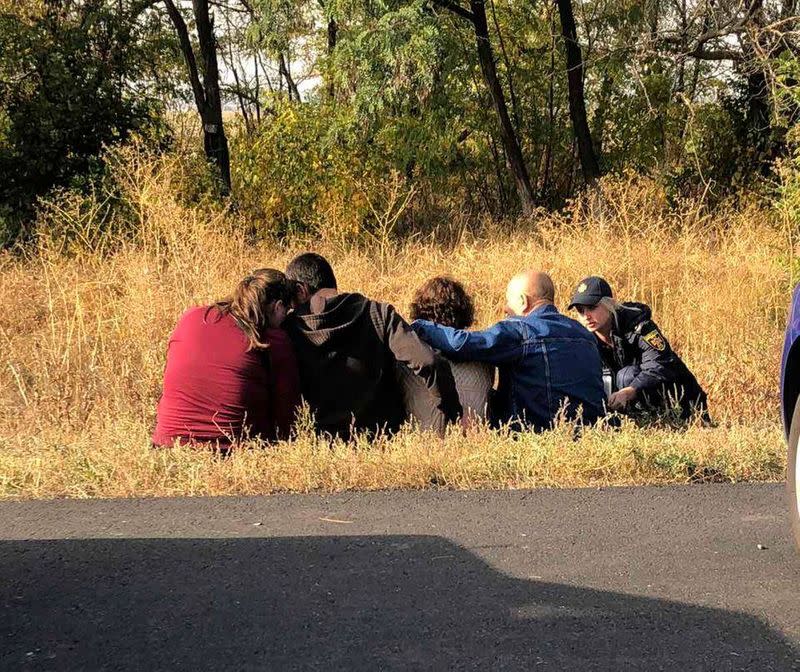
(84, 327)
(116, 461)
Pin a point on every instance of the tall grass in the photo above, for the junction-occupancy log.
(85, 320)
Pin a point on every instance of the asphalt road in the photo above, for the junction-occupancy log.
(618, 579)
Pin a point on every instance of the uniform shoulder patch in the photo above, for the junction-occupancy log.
(655, 340)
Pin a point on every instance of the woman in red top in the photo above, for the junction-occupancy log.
(231, 371)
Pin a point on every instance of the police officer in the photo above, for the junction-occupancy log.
(640, 369)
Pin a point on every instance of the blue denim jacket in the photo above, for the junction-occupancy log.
(545, 360)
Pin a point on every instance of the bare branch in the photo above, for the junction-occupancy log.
(228, 8)
(456, 9)
(716, 55)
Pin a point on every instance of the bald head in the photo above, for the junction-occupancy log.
(527, 291)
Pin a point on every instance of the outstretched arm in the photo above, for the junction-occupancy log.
(496, 345)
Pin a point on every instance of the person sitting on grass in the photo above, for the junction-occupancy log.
(347, 348)
(231, 372)
(549, 365)
(446, 302)
(641, 371)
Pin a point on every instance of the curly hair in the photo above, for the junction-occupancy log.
(445, 301)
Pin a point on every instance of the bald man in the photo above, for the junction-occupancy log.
(549, 364)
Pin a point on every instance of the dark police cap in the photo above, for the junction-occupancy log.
(589, 292)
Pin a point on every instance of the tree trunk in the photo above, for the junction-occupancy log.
(551, 75)
(333, 32)
(758, 122)
(577, 104)
(214, 140)
(511, 144)
(241, 96)
(206, 93)
(258, 90)
(501, 190)
(509, 72)
(758, 117)
(599, 120)
(283, 66)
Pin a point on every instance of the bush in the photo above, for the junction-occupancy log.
(143, 196)
(65, 93)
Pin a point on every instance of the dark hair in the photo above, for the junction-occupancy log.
(313, 270)
(248, 305)
(444, 301)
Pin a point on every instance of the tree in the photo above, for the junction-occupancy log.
(74, 76)
(755, 37)
(207, 97)
(577, 103)
(476, 16)
(280, 27)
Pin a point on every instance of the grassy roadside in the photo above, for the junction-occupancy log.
(116, 462)
(85, 322)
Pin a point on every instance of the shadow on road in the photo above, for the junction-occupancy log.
(395, 602)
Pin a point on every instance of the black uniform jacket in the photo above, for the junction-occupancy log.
(637, 341)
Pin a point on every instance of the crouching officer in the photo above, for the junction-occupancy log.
(640, 368)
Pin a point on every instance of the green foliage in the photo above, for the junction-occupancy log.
(75, 76)
(392, 65)
(280, 172)
(277, 23)
(396, 109)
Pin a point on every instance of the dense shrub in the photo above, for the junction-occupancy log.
(74, 78)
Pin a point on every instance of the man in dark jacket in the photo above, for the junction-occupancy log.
(640, 367)
(347, 348)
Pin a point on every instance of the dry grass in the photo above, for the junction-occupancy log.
(83, 334)
(115, 461)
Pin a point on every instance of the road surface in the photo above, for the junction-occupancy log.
(665, 578)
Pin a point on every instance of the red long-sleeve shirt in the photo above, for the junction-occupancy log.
(217, 390)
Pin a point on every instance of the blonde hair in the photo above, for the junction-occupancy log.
(610, 304)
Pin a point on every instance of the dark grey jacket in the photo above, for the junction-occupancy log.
(347, 354)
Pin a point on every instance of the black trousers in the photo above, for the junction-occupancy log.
(666, 396)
